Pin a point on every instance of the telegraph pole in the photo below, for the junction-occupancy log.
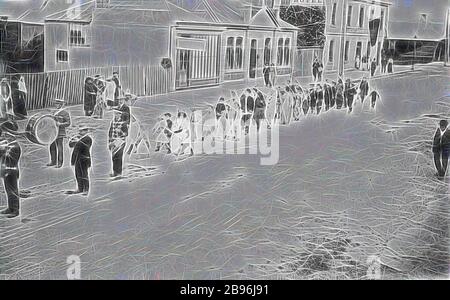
(446, 39)
(343, 39)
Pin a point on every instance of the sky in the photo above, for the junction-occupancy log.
(404, 14)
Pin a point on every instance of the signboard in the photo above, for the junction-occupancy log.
(191, 44)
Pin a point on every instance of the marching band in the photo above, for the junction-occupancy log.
(175, 135)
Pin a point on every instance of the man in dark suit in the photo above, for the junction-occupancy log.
(62, 117)
(364, 89)
(118, 133)
(10, 153)
(81, 160)
(349, 94)
(441, 148)
(116, 81)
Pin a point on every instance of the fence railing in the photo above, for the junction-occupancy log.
(68, 85)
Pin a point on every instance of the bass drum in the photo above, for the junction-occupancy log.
(41, 129)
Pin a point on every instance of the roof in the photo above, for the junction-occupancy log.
(407, 30)
(265, 17)
(217, 11)
(75, 13)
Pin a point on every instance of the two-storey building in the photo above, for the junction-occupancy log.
(355, 29)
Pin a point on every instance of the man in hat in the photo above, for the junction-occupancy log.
(90, 96)
(10, 153)
(118, 133)
(62, 118)
(81, 159)
(118, 85)
(364, 89)
(441, 148)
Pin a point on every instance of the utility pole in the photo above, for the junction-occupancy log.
(343, 38)
(446, 39)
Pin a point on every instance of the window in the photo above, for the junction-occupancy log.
(280, 52)
(333, 14)
(62, 56)
(347, 47)
(234, 54)
(287, 52)
(78, 35)
(267, 52)
(102, 3)
(230, 53)
(349, 15)
(361, 17)
(239, 53)
(331, 51)
(368, 49)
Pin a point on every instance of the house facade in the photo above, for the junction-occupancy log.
(211, 53)
(204, 47)
(354, 29)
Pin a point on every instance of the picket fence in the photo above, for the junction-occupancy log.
(68, 85)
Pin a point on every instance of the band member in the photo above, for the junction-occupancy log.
(364, 89)
(100, 106)
(19, 105)
(10, 153)
(81, 160)
(118, 133)
(62, 118)
(90, 96)
(441, 148)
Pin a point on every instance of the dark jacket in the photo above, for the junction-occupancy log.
(120, 127)
(445, 143)
(9, 159)
(437, 141)
(82, 151)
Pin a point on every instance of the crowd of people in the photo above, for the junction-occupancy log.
(175, 133)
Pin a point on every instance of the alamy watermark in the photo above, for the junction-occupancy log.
(74, 269)
(236, 138)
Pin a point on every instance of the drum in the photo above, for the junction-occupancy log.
(42, 129)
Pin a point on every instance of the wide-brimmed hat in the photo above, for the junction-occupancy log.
(59, 101)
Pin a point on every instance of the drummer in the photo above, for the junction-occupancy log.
(62, 118)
